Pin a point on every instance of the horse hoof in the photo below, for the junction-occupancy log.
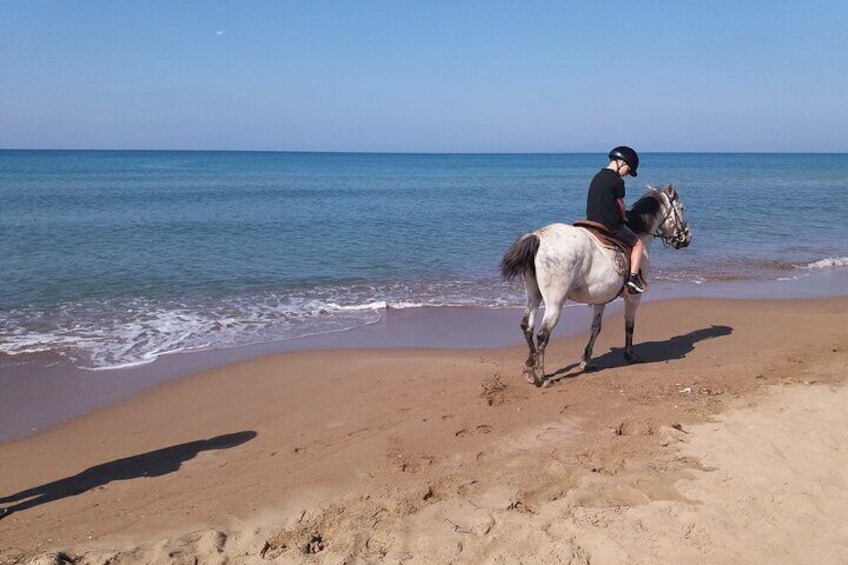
(534, 378)
(632, 358)
(588, 367)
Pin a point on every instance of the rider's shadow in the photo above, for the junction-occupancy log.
(151, 464)
(677, 347)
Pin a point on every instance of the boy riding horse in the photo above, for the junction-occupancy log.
(605, 205)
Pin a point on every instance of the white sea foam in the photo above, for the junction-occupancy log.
(827, 263)
(120, 334)
(369, 306)
(378, 306)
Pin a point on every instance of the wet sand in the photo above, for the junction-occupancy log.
(46, 392)
(726, 445)
(41, 394)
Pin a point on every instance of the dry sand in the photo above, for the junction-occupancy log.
(728, 444)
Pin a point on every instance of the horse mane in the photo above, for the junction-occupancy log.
(642, 215)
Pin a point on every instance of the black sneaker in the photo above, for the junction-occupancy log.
(634, 284)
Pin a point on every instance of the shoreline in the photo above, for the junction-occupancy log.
(444, 453)
(52, 393)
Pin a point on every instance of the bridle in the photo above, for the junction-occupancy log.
(678, 236)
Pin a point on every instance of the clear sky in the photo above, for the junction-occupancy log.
(453, 76)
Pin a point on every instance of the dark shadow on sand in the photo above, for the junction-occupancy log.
(150, 464)
(677, 347)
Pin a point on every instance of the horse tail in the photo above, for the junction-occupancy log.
(521, 257)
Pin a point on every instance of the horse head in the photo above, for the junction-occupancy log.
(673, 228)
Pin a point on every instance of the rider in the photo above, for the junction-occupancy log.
(605, 204)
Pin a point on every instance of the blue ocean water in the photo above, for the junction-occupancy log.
(113, 258)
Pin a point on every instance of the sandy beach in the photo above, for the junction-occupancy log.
(727, 444)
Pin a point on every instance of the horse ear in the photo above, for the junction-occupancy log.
(669, 189)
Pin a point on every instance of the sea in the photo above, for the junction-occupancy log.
(112, 259)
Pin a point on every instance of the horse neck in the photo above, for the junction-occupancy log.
(652, 222)
(657, 221)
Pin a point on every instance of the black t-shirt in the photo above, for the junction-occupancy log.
(601, 205)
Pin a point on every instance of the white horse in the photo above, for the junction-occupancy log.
(560, 262)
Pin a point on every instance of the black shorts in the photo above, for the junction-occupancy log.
(625, 234)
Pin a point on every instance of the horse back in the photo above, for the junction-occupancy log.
(571, 261)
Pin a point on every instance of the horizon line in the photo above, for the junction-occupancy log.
(331, 152)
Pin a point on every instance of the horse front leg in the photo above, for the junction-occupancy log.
(631, 303)
(597, 322)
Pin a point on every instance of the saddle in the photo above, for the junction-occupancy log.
(605, 239)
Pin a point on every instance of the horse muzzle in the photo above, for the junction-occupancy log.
(682, 238)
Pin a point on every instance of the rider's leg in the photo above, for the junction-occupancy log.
(634, 281)
(636, 257)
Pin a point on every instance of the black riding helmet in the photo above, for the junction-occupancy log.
(628, 155)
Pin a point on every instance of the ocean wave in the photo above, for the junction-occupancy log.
(127, 332)
(116, 334)
(115, 339)
(374, 306)
(826, 263)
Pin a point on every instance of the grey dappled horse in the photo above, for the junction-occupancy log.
(561, 262)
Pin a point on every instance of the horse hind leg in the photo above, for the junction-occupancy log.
(597, 323)
(549, 322)
(527, 329)
(534, 299)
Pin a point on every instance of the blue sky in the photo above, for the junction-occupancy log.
(424, 76)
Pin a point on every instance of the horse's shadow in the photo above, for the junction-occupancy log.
(151, 464)
(677, 347)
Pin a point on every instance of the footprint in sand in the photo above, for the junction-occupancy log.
(482, 429)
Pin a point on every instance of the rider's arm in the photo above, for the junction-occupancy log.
(622, 208)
